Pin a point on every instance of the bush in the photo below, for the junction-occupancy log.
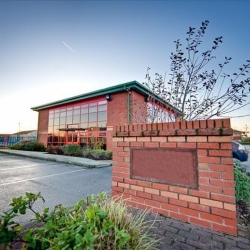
(29, 146)
(54, 150)
(72, 150)
(97, 154)
(242, 182)
(76, 150)
(245, 141)
(97, 222)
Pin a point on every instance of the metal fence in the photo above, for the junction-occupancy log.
(9, 140)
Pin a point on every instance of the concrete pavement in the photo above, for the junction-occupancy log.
(79, 161)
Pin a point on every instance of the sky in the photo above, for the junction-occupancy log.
(51, 50)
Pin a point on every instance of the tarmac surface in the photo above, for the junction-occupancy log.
(173, 234)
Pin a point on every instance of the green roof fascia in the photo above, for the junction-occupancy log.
(110, 90)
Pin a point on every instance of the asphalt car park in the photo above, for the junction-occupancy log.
(58, 183)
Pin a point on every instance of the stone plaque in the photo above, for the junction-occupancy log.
(170, 166)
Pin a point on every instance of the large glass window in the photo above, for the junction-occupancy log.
(88, 120)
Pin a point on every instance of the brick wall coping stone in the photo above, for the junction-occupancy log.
(219, 127)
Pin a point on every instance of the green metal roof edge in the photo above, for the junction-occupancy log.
(110, 90)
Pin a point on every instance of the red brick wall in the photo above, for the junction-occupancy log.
(212, 205)
(42, 129)
(117, 114)
(138, 108)
(117, 109)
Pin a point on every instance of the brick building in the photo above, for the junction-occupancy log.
(91, 116)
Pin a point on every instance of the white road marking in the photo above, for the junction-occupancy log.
(14, 182)
(10, 161)
(29, 166)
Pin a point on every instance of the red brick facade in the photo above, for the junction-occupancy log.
(212, 204)
(42, 130)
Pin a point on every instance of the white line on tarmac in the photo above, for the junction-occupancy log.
(10, 161)
(29, 166)
(31, 179)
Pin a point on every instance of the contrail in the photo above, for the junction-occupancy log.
(68, 46)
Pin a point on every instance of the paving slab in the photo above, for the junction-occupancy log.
(174, 234)
(79, 161)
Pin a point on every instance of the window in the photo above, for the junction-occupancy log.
(76, 119)
(92, 117)
(102, 116)
(87, 118)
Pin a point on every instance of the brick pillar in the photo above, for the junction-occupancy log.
(209, 201)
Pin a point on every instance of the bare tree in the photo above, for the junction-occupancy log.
(197, 92)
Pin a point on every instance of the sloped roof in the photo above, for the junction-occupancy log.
(24, 132)
(134, 85)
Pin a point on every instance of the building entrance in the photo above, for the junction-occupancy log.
(72, 134)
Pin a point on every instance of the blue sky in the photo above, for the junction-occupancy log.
(50, 50)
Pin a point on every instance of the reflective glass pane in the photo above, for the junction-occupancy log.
(56, 121)
(77, 112)
(62, 127)
(92, 117)
(92, 104)
(69, 119)
(102, 108)
(84, 105)
(51, 122)
(84, 111)
(73, 126)
(56, 129)
(76, 118)
(51, 114)
(50, 130)
(102, 102)
(84, 125)
(74, 137)
(62, 120)
(92, 125)
(62, 110)
(69, 108)
(62, 137)
(57, 115)
(102, 125)
(69, 137)
(102, 116)
(92, 109)
(76, 107)
(69, 113)
(84, 118)
(62, 114)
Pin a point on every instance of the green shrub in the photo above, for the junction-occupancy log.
(242, 182)
(96, 142)
(29, 146)
(86, 152)
(97, 222)
(97, 154)
(54, 150)
(245, 141)
(72, 150)
(108, 154)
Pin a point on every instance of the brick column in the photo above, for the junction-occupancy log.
(211, 203)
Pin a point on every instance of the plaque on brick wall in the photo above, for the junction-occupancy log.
(170, 166)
